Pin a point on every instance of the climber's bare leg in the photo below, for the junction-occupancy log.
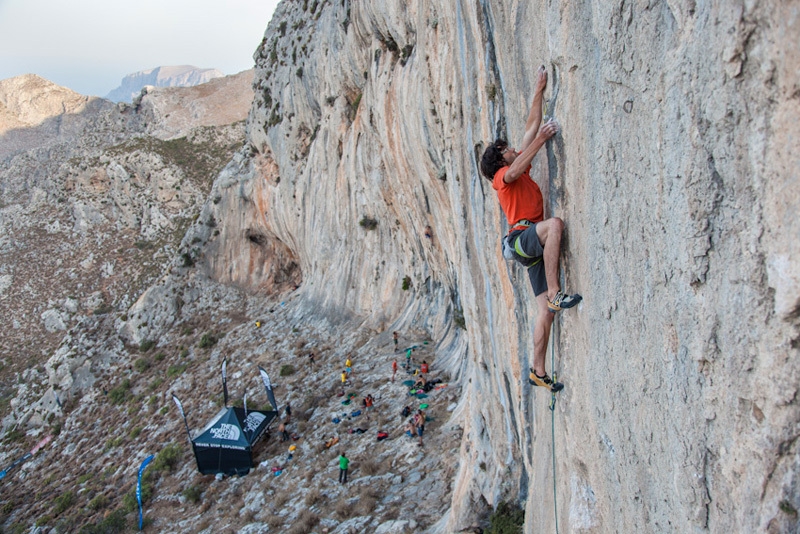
(550, 232)
(541, 333)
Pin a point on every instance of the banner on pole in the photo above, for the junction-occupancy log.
(183, 415)
(224, 383)
(268, 387)
(139, 488)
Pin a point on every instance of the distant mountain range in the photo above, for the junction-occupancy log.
(176, 76)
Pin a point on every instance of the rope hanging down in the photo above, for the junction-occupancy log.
(553, 418)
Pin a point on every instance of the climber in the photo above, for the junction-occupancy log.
(533, 241)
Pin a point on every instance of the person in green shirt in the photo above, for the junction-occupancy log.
(343, 463)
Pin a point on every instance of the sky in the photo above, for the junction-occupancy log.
(90, 45)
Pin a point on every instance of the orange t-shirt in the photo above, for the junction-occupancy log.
(521, 199)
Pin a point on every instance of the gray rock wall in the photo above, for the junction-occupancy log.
(675, 175)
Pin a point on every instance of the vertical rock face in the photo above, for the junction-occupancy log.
(676, 177)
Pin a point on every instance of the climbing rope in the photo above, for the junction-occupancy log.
(553, 418)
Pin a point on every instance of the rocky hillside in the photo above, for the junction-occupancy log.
(174, 76)
(674, 174)
(94, 202)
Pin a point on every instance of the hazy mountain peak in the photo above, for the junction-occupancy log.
(168, 76)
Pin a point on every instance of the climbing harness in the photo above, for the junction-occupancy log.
(510, 249)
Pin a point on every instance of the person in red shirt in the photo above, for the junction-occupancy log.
(533, 241)
(394, 368)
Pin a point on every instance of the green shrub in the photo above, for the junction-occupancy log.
(207, 341)
(368, 223)
(142, 365)
(406, 283)
(135, 432)
(287, 370)
(193, 494)
(63, 502)
(103, 309)
(176, 370)
(157, 381)
(506, 519)
(14, 435)
(146, 345)
(43, 520)
(458, 318)
(121, 393)
(98, 503)
(187, 259)
(114, 523)
(84, 478)
(168, 458)
(160, 357)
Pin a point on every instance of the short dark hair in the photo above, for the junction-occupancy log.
(492, 159)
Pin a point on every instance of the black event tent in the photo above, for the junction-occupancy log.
(225, 445)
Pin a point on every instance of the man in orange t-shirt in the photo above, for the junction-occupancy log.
(533, 240)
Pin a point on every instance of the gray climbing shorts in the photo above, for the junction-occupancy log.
(529, 244)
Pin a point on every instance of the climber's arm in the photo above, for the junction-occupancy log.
(523, 161)
(535, 113)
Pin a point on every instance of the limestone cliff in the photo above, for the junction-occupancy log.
(675, 174)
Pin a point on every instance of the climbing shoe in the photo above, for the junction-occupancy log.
(545, 382)
(562, 301)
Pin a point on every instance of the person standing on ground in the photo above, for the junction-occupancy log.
(394, 368)
(419, 424)
(408, 360)
(533, 241)
(288, 412)
(311, 360)
(395, 338)
(423, 368)
(282, 430)
(367, 404)
(348, 366)
(344, 380)
(344, 463)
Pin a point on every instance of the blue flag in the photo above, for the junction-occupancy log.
(139, 488)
